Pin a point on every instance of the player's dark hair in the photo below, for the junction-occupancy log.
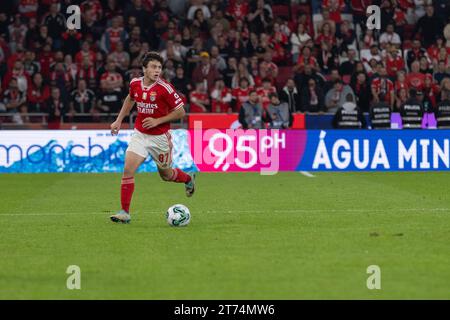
(152, 55)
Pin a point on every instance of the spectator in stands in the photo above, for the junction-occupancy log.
(349, 116)
(336, 97)
(279, 113)
(390, 37)
(180, 82)
(264, 91)
(430, 94)
(241, 94)
(298, 41)
(291, 96)
(198, 5)
(56, 109)
(381, 85)
(442, 72)
(260, 17)
(312, 98)
(327, 59)
(429, 26)
(110, 98)
(345, 37)
(401, 97)
(242, 72)
(38, 93)
(362, 91)
(415, 78)
(205, 71)
(17, 33)
(394, 62)
(252, 114)
(221, 97)
(56, 24)
(199, 99)
(415, 53)
(347, 67)
(14, 101)
(111, 80)
(120, 57)
(82, 99)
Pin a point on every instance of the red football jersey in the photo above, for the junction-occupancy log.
(155, 101)
(241, 96)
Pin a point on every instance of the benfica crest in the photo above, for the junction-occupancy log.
(152, 96)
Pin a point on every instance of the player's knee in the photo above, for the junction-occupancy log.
(128, 172)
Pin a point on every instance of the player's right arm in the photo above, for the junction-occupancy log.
(126, 108)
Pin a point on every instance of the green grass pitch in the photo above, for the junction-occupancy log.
(284, 236)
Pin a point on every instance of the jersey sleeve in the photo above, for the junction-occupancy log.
(174, 100)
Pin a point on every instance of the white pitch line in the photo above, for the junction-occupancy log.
(344, 210)
(307, 174)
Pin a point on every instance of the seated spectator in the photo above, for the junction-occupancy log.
(221, 97)
(264, 91)
(298, 41)
(14, 101)
(394, 63)
(382, 86)
(56, 109)
(180, 82)
(38, 93)
(198, 5)
(442, 72)
(82, 99)
(199, 99)
(240, 95)
(390, 37)
(412, 110)
(415, 79)
(291, 96)
(205, 71)
(401, 97)
(431, 93)
(279, 113)
(349, 116)
(109, 100)
(312, 98)
(252, 114)
(242, 72)
(335, 7)
(111, 80)
(415, 53)
(120, 57)
(336, 97)
(327, 60)
(345, 37)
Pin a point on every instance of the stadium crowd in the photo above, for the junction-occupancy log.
(263, 59)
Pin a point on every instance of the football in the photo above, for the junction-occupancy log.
(178, 215)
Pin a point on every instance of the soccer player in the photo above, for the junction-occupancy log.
(158, 104)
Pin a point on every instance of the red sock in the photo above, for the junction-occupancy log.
(126, 192)
(180, 176)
